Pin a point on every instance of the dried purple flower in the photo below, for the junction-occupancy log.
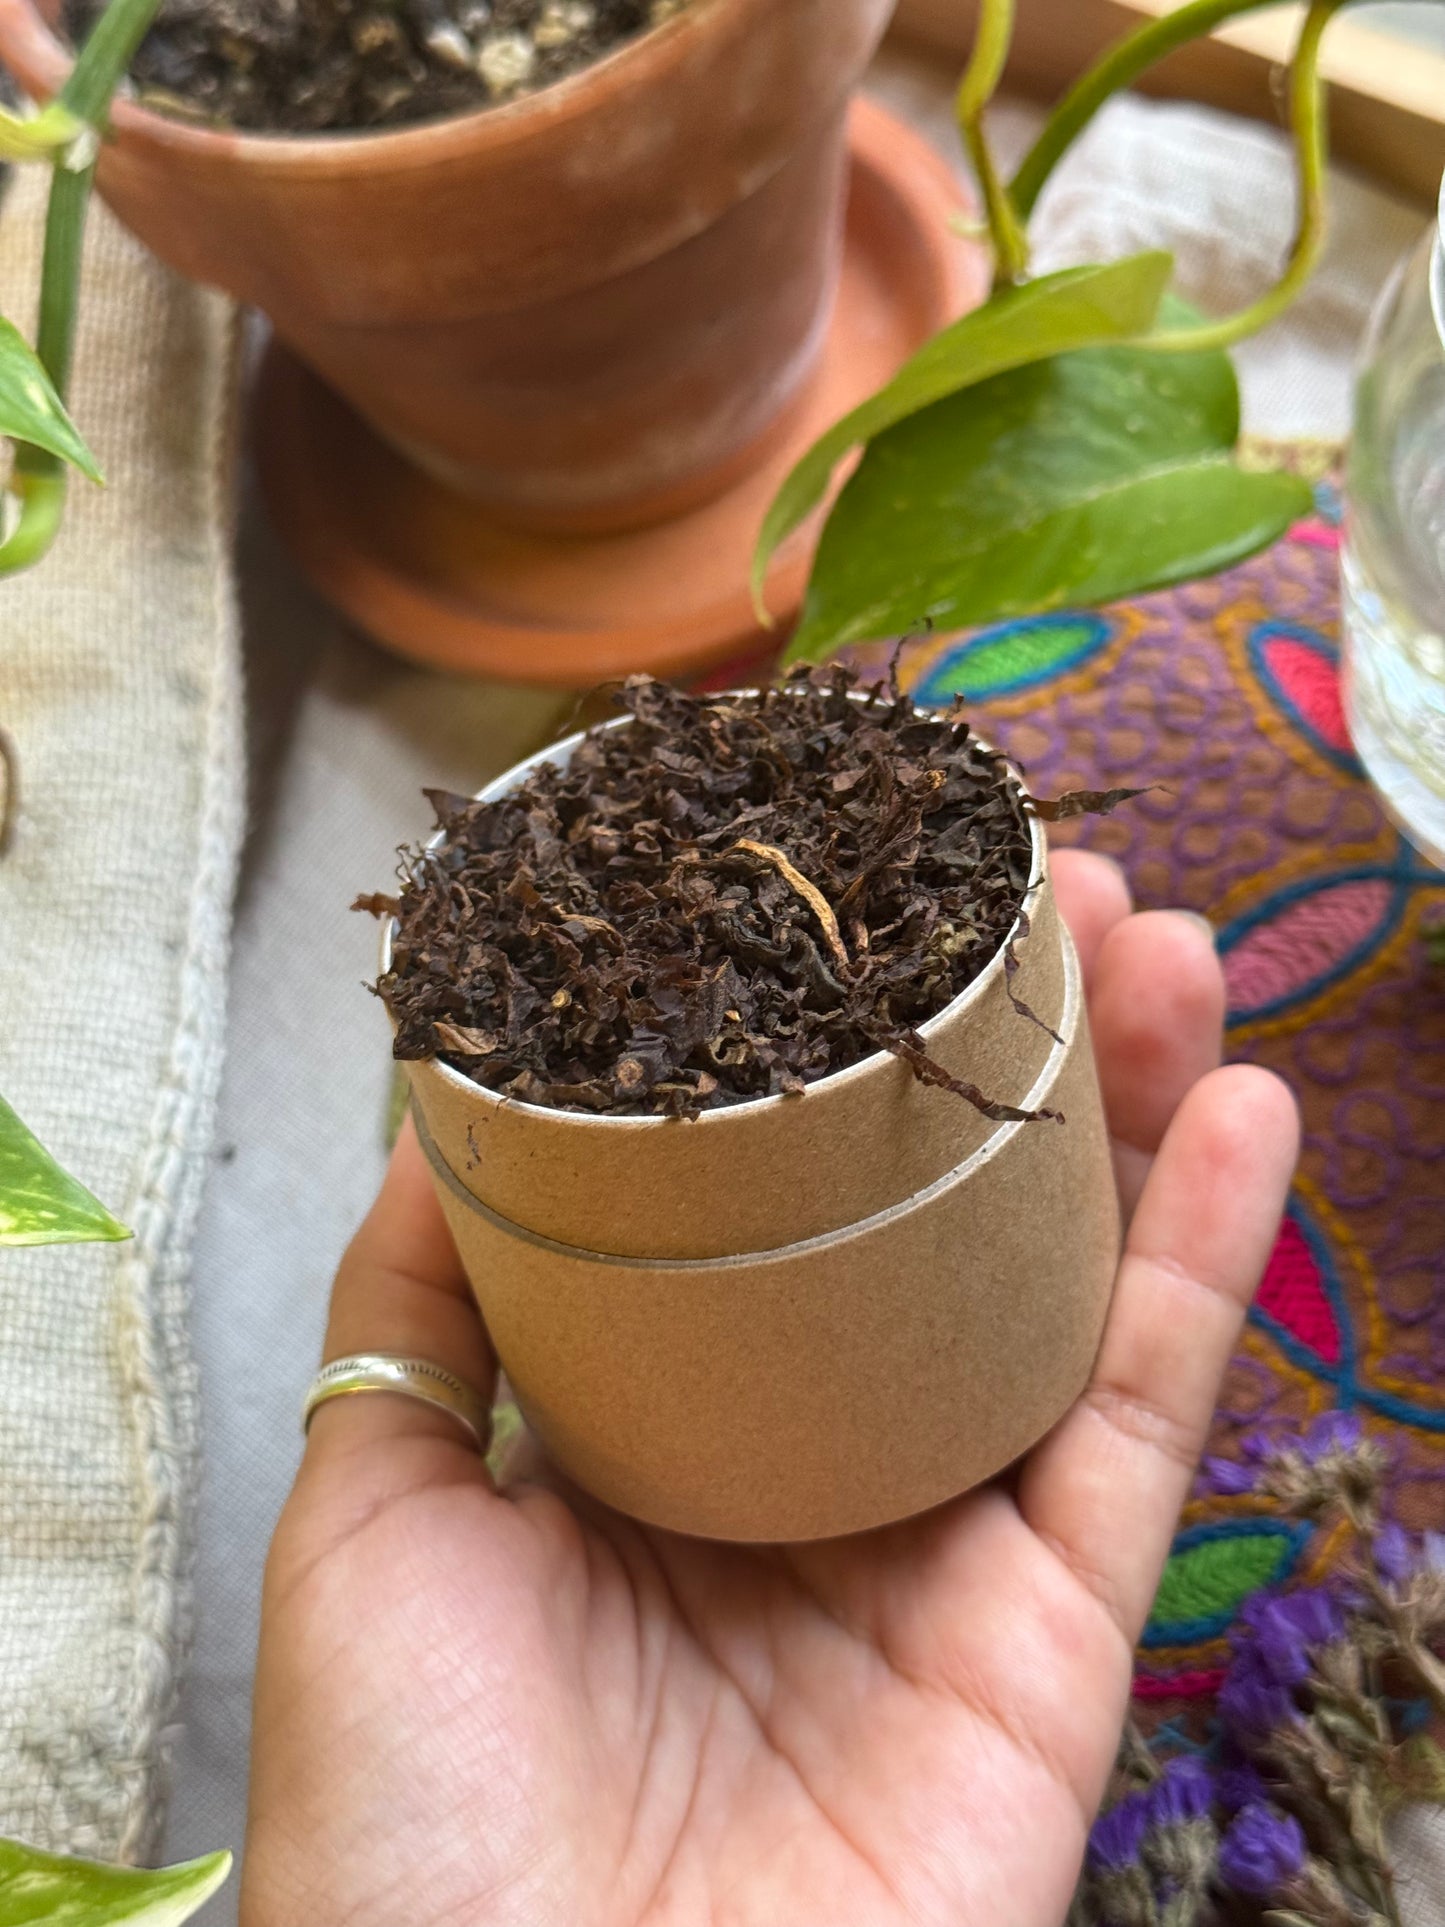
(1263, 1849)
(1118, 1835)
(1331, 1432)
(1401, 1558)
(1183, 1792)
(1395, 1556)
(1252, 1702)
(1334, 1463)
(1288, 1627)
(1240, 1786)
(1227, 1477)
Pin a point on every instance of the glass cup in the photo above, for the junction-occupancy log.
(1393, 555)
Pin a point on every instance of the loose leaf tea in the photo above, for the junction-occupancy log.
(722, 898)
(1081, 803)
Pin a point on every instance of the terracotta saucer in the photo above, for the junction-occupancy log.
(427, 571)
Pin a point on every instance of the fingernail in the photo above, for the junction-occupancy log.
(1205, 925)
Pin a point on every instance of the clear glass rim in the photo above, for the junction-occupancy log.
(1437, 268)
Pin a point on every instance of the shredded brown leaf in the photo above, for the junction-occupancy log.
(464, 1042)
(1084, 802)
(724, 898)
(927, 1071)
(810, 894)
(1011, 970)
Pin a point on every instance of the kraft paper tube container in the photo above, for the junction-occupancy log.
(801, 1316)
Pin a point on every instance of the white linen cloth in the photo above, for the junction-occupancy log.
(118, 683)
(344, 737)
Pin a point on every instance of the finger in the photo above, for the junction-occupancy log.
(1105, 1488)
(1157, 1015)
(401, 1288)
(1093, 895)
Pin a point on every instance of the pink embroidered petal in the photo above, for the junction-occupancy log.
(1289, 953)
(1292, 1293)
(1318, 534)
(1193, 1685)
(1306, 676)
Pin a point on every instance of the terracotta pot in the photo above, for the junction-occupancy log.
(587, 309)
(802, 1316)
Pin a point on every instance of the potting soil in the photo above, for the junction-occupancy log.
(307, 66)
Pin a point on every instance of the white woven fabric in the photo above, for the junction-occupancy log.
(1219, 193)
(118, 682)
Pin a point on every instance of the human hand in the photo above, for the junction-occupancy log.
(518, 1709)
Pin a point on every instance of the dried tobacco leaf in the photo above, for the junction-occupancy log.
(724, 898)
(1084, 802)
(1011, 970)
(910, 1048)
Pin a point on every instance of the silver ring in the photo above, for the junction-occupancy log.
(416, 1378)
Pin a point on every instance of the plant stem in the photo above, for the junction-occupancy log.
(60, 272)
(104, 58)
(39, 480)
(41, 500)
(38, 483)
(10, 801)
(1117, 68)
(1309, 123)
(976, 89)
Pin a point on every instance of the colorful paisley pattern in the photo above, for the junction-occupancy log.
(1212, 1569)
(1226, 694)
(1296, 1303)
(1306, 937)
(1013, 656)
(1300, 670)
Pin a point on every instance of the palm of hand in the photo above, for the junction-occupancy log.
(556, 1720)
(524, 1709)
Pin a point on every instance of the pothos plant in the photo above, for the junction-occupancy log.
(39, 1202)
(65, 135)
(38, 1887)
(1072, 440)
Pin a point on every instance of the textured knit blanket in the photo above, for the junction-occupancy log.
(118, 686)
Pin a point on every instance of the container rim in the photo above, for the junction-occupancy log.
(1437, 267)
(561, 751)
(991, 1146)
(328, 149)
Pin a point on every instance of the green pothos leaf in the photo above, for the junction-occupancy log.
(40, 1204)
(1075, 308)
(38, 1888)
(30, 409)
(1075, 480)
(41, 136)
